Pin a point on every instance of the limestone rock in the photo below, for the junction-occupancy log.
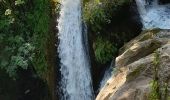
(136, 68)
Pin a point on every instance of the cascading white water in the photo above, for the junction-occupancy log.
(76, 81)
(107, 75)
(154, 15)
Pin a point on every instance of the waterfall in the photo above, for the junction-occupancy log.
(76, 82)
(153, 14)
(108, 73)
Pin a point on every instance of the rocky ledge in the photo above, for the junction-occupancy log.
(142, 69)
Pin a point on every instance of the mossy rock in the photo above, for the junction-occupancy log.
(141, 65)
(145, 35)
(137, 51)
(135, 73)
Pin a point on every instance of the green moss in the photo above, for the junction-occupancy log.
(155, 85)
(155, 31)
(154, 95)
(168, 98)
(149, 34)
(146, 37)
(136, 72)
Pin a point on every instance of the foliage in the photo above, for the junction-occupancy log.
(95, 15)
(24, 28)
(98, 13)
(41, 19)
(104, 50)
(155, 85)
(154, 93)
(106, 19)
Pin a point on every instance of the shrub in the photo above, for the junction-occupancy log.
(104, 50)
(24, 26)
(98, 13)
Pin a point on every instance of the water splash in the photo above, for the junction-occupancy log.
(154, 15)
(76, 81)
(108, 73)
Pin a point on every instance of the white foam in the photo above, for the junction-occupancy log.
(154, 15)
(75, 68)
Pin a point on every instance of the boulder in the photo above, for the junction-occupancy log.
(142, 62)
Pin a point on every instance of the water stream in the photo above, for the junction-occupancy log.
(153, 14)
(76, 82)
(108, 73)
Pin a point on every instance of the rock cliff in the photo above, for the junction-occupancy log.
(142, 69)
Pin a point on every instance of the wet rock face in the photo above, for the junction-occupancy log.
(137, 67)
